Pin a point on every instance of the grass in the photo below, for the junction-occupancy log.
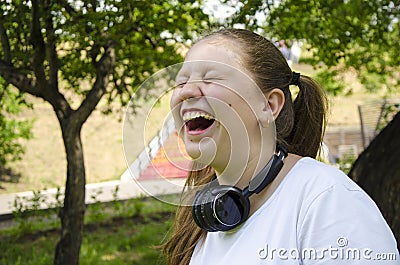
(115, 233)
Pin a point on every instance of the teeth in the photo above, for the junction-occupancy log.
(190, 115)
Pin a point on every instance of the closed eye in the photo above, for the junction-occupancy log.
(181, 83)
(212, 79)
(212, 75)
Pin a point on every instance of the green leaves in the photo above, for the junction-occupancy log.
(12, 130)
(332, 81)
(144, 34)
(360, 34)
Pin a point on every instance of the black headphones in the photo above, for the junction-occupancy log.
(222, 207)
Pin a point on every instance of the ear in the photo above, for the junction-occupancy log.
(275, 99)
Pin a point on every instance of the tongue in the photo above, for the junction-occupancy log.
(199, 124)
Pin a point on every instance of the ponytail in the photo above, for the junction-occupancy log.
(309, 112)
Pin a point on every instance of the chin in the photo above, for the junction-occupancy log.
(203, 151)
(192, 151)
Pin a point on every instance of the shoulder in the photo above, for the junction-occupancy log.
(319, 185)
(325, 195)
(333, 206)
(311, 178)
(311, 168)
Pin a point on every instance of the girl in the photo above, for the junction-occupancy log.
(308, 212)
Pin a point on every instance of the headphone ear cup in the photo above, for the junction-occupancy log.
(212, 224)
(230, 208)
(220, 208)
(197, 214)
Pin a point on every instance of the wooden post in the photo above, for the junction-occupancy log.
(362, 127)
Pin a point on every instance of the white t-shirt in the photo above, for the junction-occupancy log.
(317, 215)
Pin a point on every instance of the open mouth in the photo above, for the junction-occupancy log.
(197, 122)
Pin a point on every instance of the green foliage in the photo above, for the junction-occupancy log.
(119, 237)
(331, 81)
(12, 130)
(75, 53)
(346, 162)
(39, 211)
(145, 35)
(389, 110)
(372, 81)
(29, 214)
(361, 34)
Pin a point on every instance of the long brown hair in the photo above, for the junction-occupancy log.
(299, 127)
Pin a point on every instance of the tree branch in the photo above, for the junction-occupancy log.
(51, 48)
(46, 89)
(104, 68)
(28, 85)
(5, 44)
(19, 80)
(36, 39)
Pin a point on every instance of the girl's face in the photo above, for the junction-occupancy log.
(216, 107)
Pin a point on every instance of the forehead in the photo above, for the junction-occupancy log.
(215, 49)
(212, 55)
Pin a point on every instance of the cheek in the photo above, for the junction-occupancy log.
(239, 106)
(245, 118)
(174, 98)
(175, 107)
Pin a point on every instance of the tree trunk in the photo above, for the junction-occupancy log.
(377, 171)
(72, 214)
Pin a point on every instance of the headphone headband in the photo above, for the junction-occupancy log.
(268, 173)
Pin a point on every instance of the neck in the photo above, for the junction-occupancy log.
(259, 199)
(240, 173)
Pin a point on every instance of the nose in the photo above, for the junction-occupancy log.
(190, 90)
